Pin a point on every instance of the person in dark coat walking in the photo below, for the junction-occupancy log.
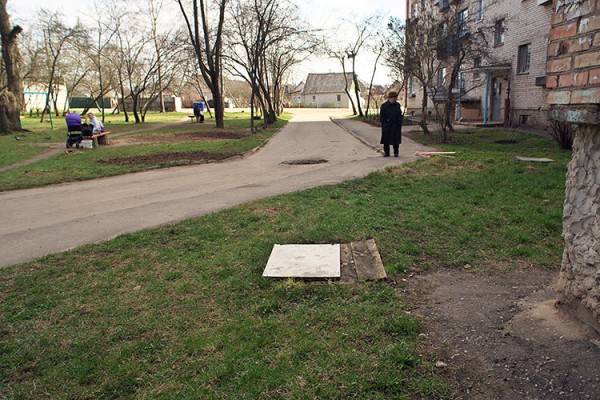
(390, 116)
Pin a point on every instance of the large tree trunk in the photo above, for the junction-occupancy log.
(11, 98)
(208, 54)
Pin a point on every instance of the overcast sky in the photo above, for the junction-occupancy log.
(326, 14)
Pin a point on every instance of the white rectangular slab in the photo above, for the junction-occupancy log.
(534, 159)
(304, 261)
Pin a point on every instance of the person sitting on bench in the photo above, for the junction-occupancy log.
(199, 112)
(97, 125)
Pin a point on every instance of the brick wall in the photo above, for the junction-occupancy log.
(574, 77)
(574, 53)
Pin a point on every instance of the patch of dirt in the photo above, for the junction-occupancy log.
(176, 158)
(504, 337)
(177, 137)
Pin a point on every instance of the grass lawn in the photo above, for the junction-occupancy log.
(82, 165)
(182, 312)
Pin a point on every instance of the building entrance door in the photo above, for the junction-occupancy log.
(496, 99)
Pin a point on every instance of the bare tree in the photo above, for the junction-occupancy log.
(379, 50)
(97, 47)
(57, 36)
(159, 40)
(208, 46)
(118, 14)
(458, 42)
(192, 77)
(140, 67)
(74, 74)
(340, 56)
(364, 31)
(31, 51)
(412, 52)
(266, 38)
(11, 97)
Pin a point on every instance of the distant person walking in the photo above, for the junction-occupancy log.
(390, 116)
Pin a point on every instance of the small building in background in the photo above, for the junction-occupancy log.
(329, 91)
(172, 104)
(292, 95)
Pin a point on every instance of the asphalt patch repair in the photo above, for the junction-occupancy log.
(176, 158)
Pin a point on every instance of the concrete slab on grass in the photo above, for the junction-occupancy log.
(533, 159)
(304, 261)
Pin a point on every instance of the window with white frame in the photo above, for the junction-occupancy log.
(461, 20)
(499, 32)
(479, 10)
(524, 58)
(441, 77)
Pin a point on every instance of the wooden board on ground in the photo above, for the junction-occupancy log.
(367, 261)
(347, 268)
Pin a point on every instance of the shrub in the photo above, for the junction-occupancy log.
(563, 132)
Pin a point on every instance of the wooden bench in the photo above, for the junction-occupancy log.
(99, 138)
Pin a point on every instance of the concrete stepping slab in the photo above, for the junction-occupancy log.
(304, 261)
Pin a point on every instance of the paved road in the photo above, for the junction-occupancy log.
(37, 222)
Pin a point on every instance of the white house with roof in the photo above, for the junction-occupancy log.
(329, 91)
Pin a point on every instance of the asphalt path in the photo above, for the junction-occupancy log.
(42, 221)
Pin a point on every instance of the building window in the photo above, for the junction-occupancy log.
(339, 98)
(524, 57)
(414, 10)
(499, 32)
(479, 10)
(476, 64)
(461, 20)
(441, 77)
(314, 98)
(444, 4)
(411, 89)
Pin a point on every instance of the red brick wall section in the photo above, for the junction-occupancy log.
(573, 66)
